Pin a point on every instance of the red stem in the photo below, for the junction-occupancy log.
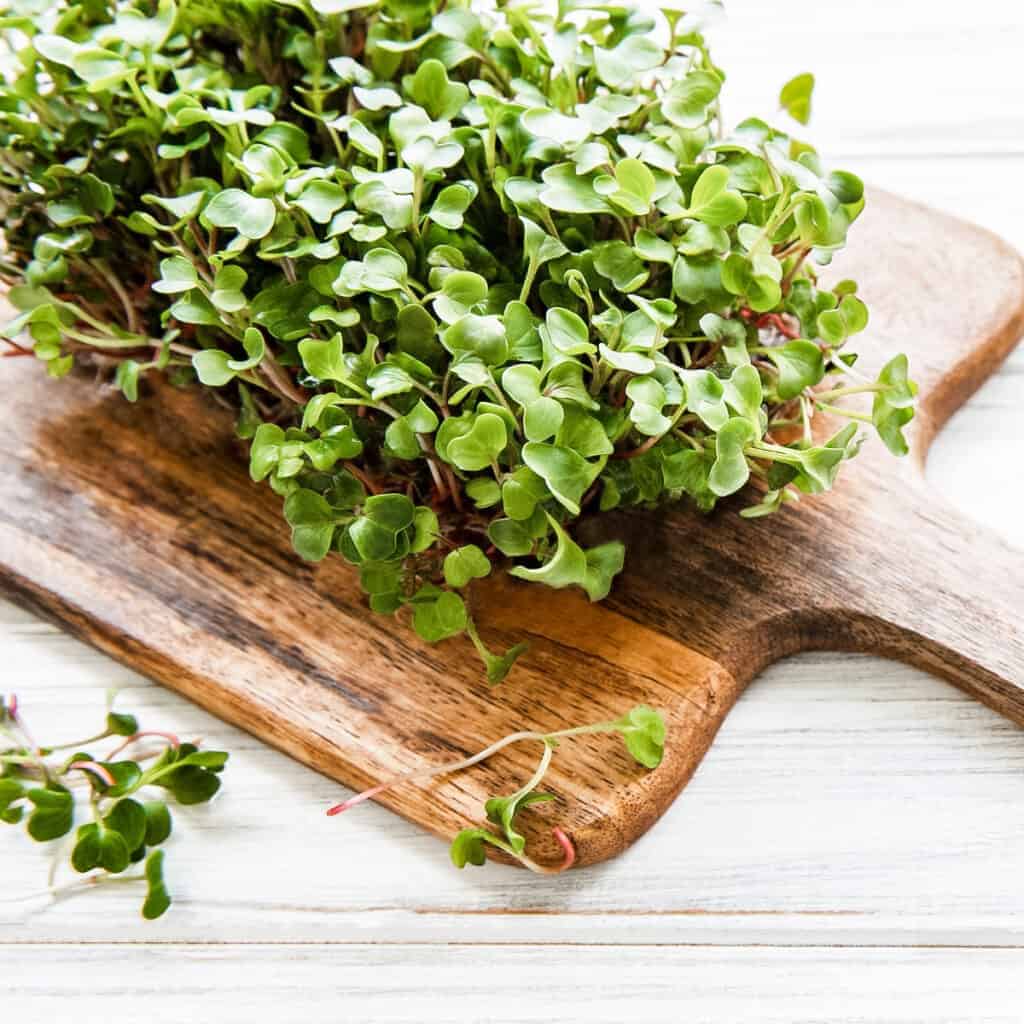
(16, 349)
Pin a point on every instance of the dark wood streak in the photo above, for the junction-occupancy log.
(136, 528)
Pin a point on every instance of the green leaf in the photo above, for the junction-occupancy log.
(177, 274)
(849, 317)
(617, 261)
(560, 128)
(265, 452)
(158, 899)
(498, 666)
(250, 216)
(648, 246)
(158, 822)
(632, 188)
(450, 206)
(195, 308)
(795, 97)
(567, 333)
(604, 563)
(190, 784)
(126, 377)
(320, 199)
(461, 291)
(432, 90)
(53, 815)
(893, 407)
(392, 511)
(542, 418)
(468, 847)
(688, 103)
(465, 564)
(502, 810)
(619, 66)
(388, 379)
(566, 191)
(101, 69)
(801, 365)
(566, 473)
(744, 394)
(439, 616)
(98, 846)
(425, 528)
(126, 774)
(212, 367)
(565, 568)
(313, 522)
(11, 790)
(324, 359)
(712, 202)
(127, 817)
(520, 493)
(481, 336)
(643, 730)
(730, 470)
(255, 349)
(182, 208)
(481, 445)
(510, 537)
(373, 542)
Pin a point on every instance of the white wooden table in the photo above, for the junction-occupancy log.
(850, 850)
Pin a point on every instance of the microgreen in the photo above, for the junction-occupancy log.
(108, 809)
(467, 271)
(642, 730)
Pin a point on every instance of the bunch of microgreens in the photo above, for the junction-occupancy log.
(467, 272)
(51, 786)
(121, 830)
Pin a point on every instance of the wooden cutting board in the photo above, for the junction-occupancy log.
(137, 529)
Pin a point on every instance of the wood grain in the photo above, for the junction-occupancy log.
(144, 536)
(562, 983)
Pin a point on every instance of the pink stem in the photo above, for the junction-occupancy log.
(367, 794)
(566, 844)
(97, 770)
(169, 736)
(430, 773)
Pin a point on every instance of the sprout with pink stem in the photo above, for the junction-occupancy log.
(97, 769)
(642, 729)
(172, 741)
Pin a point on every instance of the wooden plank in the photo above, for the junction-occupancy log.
(474, 983)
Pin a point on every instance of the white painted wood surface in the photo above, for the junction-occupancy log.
(850, 849)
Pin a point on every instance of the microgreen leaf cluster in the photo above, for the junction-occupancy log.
(123, 801)
(642, 730)
(467, 272)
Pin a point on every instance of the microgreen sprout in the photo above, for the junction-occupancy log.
(51, 792)
(642, 730)
(466, 271)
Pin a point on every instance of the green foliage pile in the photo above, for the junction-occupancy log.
(466, 274)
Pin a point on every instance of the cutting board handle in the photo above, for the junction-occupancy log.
(948, 597)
